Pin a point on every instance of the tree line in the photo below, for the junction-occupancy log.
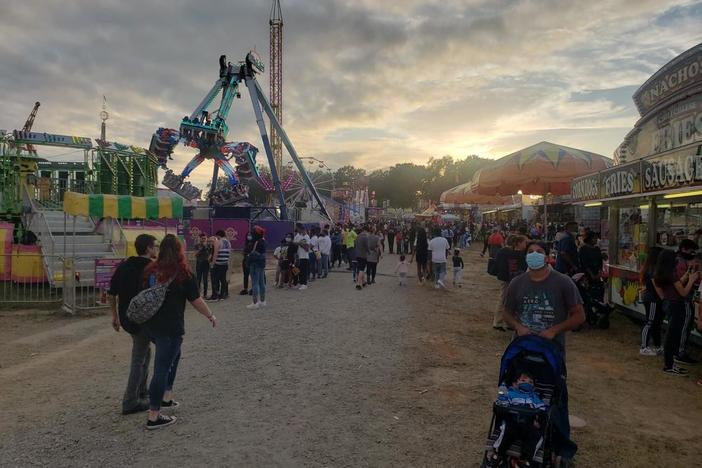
(401, 185)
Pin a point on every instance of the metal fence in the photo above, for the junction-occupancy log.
(24, 283)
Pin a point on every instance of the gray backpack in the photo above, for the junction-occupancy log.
(145, 304)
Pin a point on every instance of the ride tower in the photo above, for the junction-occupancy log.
(276, 80)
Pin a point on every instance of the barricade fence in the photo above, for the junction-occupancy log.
(24, 282)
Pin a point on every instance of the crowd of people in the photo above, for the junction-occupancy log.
(547, 288)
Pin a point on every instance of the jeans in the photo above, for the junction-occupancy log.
(304, 265)
(258, 280)
(439, 272)
(220, 287)
(202, 272)
(371, 270)
(138, 371)
(246, 272)
(165, 368)
(324, 266)
(314, 265)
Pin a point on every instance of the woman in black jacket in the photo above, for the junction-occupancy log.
(167, 327)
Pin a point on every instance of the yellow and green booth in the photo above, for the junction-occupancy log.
(122, 206)
(126, 207)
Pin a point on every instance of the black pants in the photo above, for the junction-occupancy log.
(336, 255)
(247, 272)
(677, 313)
(371, 269)
(202, 272)
(304, 265)
(220, 288)
(654, 319)
(391, 242)
(528, 436)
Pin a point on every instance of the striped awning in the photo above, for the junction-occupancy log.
(122, 206)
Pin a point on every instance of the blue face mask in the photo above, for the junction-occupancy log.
(526, 387)
(535, 260)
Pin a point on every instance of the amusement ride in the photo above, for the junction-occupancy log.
(206, 129)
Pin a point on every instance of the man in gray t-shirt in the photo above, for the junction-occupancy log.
(547, 303)
(361, 250)
(543, 301)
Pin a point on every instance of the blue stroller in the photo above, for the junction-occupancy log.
(542, 359)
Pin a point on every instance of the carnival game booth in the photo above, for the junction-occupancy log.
(654, 196)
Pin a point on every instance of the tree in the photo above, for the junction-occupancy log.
(348, 176)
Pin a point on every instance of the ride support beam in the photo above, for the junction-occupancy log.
(252, 86)
(207, 100)
(255, 88)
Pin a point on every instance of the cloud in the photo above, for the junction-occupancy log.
(367, 82)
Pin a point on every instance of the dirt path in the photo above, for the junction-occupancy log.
(330, 376)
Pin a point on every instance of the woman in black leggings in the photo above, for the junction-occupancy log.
(651, 331)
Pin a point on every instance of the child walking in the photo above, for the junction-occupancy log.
(457, 268)
(401, 270)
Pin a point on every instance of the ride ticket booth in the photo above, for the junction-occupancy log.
(654, 195)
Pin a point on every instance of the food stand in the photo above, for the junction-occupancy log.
(654, 197)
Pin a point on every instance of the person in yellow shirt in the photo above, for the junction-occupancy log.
(349, 240)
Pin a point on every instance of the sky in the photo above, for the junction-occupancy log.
(370, 83)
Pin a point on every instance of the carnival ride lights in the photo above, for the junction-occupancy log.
(206, 131)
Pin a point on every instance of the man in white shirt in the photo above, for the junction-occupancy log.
(439, 247)
(314, 248)
(325, 246)
(302, 240)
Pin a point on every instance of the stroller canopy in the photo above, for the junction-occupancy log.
(524, 346)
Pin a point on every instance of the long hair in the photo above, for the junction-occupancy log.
(664, 274)
(171, 262)
(651, 260)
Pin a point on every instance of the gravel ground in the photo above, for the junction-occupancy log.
(331, 376)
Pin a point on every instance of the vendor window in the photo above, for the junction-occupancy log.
(633, 233)
(677, 221)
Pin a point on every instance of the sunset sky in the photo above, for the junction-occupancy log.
(367, 82)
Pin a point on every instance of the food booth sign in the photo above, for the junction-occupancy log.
(672, 171)
(614, 182)
(586, 188)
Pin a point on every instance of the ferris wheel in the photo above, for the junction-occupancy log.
(298, 194)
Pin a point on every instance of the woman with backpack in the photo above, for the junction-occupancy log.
(167, 326)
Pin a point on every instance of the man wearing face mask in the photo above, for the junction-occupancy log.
(547, 303)
(684, 264)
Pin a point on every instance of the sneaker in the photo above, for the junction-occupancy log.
(658, 350)
(170, 404)
(675, 370)
(647, 352)
(212, 298)
(253, 306)
(243, 292)
(263, 304)
(684, 359)
(302, 287)
(359, 287)
(441, 283)
(436, 286)
(162, 421)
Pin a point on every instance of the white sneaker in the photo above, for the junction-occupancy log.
(441, 283)
(647, 351)
(436, 286)
(302, 287)
(263, 304)
(253, 306)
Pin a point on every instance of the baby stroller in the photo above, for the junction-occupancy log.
(542, 359)
(592, 291)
